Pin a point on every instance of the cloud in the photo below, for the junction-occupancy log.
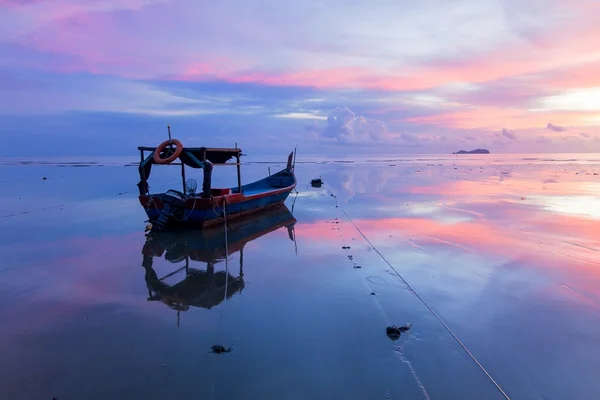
(499, 143)
(102, 94)
(542, 139)
(344, 126)
(410, 137)
(570, 137)
(525, 63)
(476, 117)
(118, 36)
(576, 99)
(513, 91)
(555, 128)
(585, 135)
(24, 17)
(508, 134)
(299, 115)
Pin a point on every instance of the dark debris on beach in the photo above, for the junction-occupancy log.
(218, 349)
(394, 332)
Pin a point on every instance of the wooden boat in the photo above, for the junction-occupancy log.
(207, 288)
(176, 209)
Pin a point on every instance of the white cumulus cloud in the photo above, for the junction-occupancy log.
(344, 126)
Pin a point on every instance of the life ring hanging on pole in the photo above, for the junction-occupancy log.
(163, 146)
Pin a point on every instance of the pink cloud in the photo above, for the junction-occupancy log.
(574, 76)
(495, 81)
(420, 78)
(558, 58)
(108, 43)
(492, 117)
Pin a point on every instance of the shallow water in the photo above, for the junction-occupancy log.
(504, 249)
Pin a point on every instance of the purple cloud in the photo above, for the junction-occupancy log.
(409, 137)
(498, 93)
(569, 137)
(555, 128)
(509, 134)
(585, 135)
(312, 126)
(542, 139)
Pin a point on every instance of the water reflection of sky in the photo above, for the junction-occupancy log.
(506, 251)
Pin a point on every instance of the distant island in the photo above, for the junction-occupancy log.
(476, 151)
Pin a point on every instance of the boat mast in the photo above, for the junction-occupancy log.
(239, 177)
(294, 164)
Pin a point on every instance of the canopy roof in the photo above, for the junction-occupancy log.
(213, 154)
(190, 156)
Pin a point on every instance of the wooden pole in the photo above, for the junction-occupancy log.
(239, 174)
(183, 176)
(295, 150)
(143, 178)
(237, 158)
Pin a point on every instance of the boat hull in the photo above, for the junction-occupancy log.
(199, 212)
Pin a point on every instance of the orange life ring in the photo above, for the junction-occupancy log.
(172, 157)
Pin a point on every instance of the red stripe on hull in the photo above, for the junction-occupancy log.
(201, 203)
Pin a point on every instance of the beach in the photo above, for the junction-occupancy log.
(492, 259)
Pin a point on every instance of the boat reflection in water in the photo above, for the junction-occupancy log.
(207, 288)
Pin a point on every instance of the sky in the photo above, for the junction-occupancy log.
(81, 77)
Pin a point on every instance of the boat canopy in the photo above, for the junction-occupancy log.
(191, 156)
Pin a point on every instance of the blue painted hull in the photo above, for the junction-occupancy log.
(199, 212)
(194, 216)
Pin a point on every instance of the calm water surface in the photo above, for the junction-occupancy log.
(505, 249)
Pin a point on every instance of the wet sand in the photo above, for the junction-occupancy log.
(504, 249)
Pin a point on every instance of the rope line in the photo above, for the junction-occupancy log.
(429, 308)
(183, 219)
(226, 267)
(226, 250)
(220, 326)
